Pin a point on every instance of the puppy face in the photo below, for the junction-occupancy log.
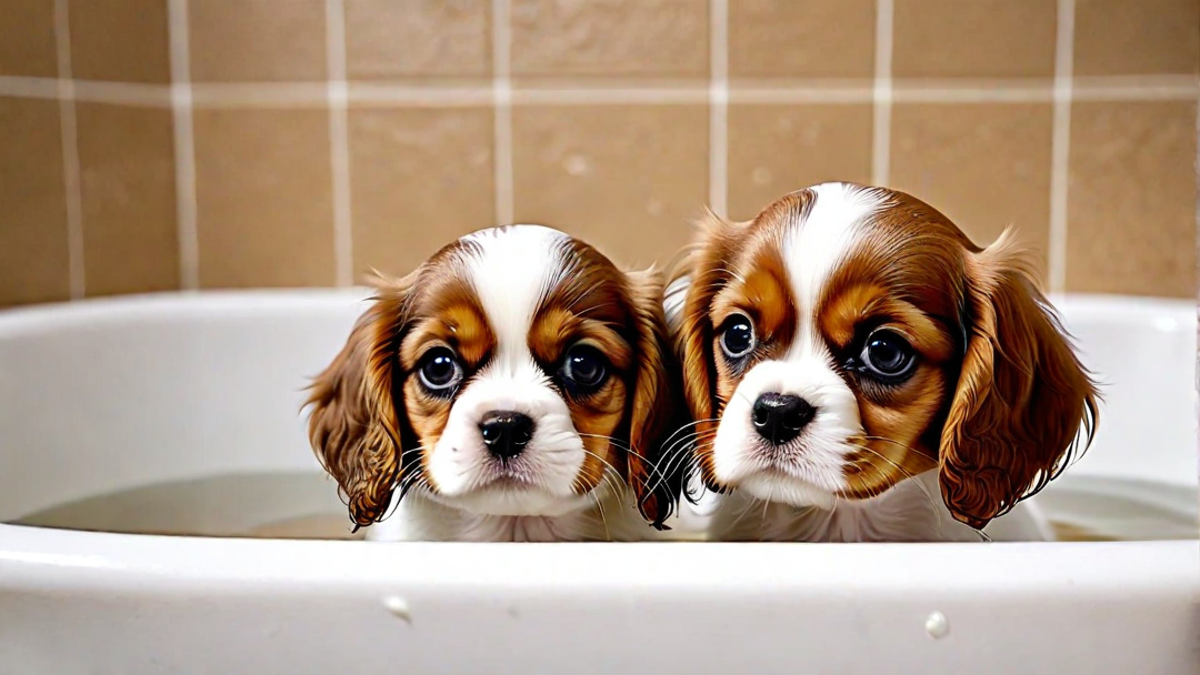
(849, 338)
(511, 374)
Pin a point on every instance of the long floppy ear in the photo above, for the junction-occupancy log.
(655, 405)
(1022, 396)
(700, 274)
(356, 428)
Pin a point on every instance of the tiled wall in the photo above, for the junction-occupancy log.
(177, 144)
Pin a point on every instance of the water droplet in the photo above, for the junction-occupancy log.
(936, 625)
(761, 176)
(398, 607)
(576, 165)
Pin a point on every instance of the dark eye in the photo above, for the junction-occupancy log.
(584, 369)
(737, 337)
(440, 371)
(887, 355)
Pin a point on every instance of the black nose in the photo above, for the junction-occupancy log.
(506, 433)
(780, 417)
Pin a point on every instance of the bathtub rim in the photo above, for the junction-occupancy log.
(70, 558)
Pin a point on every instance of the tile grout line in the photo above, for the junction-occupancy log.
(309, 94)
(339, 142)
(68, 129)
(1060, 144)
(718, 107)
(881, 132)
(502, 111)
(186, 207)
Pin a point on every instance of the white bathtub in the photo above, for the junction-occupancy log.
(101, 396)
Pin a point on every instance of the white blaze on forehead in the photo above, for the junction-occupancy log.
(813, 249)
(512, 272)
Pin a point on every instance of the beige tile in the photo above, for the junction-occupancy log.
(420, 178)
(263, 184)
(120, 40)
(127, 177)
(1137, 37)
(654, 38)
(625, 178)
(815, 38)
(774, 149)
(27, 38)
(257, 40)
(985, 165)
(1132, 198)
(392, 39)
(34, 265)
(974, 38)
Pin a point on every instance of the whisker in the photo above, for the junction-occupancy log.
(937, 504)
(689, 425)
(883, 439)
(603, 518)
(679, 454)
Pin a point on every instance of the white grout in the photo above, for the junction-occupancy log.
(613, 96)
(339, 141)
(1136, 88)
(310, 94)
(1060, 144)
(718, 122)
(65, 90)
(125, 93)
(973, 93)
(881, 136)
(29, 87)
(382, 94)
(502, 101)
(185, 146)
(864, 93)
(249, 95)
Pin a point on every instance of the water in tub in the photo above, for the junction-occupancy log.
(306, 506)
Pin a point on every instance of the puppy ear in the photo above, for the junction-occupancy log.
(655, 404)
(1022, 396)
(356, 427)
(700, 274)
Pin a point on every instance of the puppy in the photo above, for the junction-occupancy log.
(859, 370)
(513, 388)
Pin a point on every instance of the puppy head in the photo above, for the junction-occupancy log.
(513, 373)
(849, 338)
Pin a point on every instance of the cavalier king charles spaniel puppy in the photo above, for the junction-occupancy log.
(858, 370)
(515, 387)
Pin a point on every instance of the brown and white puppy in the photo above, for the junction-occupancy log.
(515, 387)
(859, 370)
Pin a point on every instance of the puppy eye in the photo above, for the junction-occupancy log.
(440, 371)
(583, 369)
(737, 337)
(887, 356)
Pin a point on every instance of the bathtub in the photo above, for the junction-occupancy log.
(104, 395)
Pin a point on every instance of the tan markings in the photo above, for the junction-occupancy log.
(898, 280)
(460, 327)
(868, 303)
(427, 415)
(760, 291)
(597, 416)
(555, 330)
